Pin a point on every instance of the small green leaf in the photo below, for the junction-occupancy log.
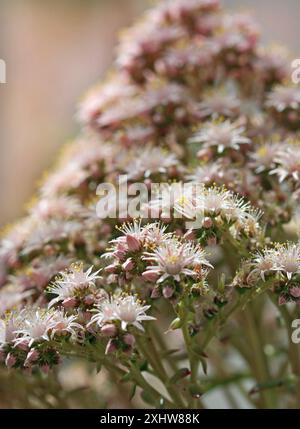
(132, 393)
(176, 324)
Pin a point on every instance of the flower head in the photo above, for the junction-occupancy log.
(288, 163)
(287, 259)
(72, 281)
(263, 158)
(283, 258)
(218, 104)
(126, 309)
(222, 135)
(40, 324)
(149, 160)
(174, 258)
(284, 97)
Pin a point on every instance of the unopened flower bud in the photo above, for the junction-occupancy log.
(10, 360)
(168, 291)
(150, 276)
(111, 347)
(23, 345)
(89, 300)
(295, 291)
(207, 222)
(119, 254)
(110, 268)
(132, 243)
(2, 356)
(129, 340)
(282, 300)
(155, 293)
(109, 330)
(69, 302)
(32, 356)
(128, 265)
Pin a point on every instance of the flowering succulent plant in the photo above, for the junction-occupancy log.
(196, 104)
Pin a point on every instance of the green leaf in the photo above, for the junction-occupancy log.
(176, 324)
(133, 390)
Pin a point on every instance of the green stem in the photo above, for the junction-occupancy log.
(293, 350)
(193, 403)
(260, 366)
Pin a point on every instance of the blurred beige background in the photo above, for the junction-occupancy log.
(55, 50)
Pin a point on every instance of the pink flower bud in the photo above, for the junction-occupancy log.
(282, 300)
(150, 276)
(120, 251)
(32, 356)
(110, 268)
(129, 340)
(155, 293)
(2, 356)
(128, 265)
(69, 303)
(23, 345)
(119, 254)
(132, 243)
(168, 291)
(111, 347)
(109, 330)
(89, 300)
(10, 360)
(295, 291)
(207, 222)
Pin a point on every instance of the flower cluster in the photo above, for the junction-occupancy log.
(75, 286)
(125, 309)
(278, 267)
(149, 255)
(28, 338)
(217, 153)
